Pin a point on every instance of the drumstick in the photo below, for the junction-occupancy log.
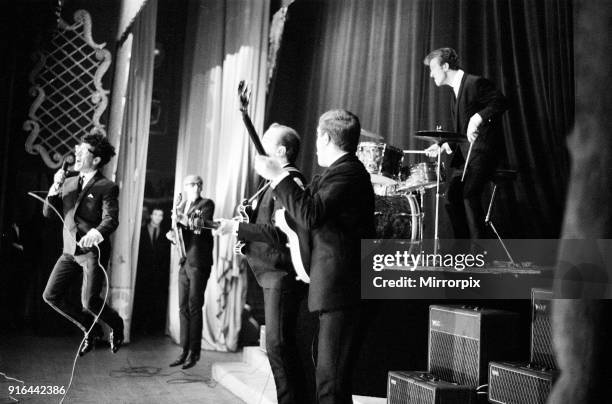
(467, 160)
(415, 152)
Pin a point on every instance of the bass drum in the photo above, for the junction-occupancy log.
(397, 217)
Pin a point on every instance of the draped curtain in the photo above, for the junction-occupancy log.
(226, 42)
(129, 133)
(367, 56)
(129, 12)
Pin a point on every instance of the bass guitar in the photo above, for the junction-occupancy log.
(280, 218)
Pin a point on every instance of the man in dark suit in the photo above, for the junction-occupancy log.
(476, 112)
(195, 269)
(270, 260)
(152, 277)
(90, 208)
(338, 210)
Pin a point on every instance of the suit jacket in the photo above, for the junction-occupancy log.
(199, 247)
(154, 255)
(338, 209)
(153, 272)
(97, 206)
(266, 248)
(478, 95)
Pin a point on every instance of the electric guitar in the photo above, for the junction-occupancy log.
(244, 94)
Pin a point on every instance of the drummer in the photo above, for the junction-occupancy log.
(476, 113)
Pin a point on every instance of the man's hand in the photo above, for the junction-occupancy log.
(170, 236)
(434, 149)
(472, 129)
(92, 237)
(226, 226)
(58, 180)
(268, 167)
(180, 218)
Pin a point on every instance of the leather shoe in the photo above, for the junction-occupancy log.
(116, 339)
(191, 360)
(180, 360)
(90, 339)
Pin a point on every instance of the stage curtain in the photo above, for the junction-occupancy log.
(129, 12)
(226, 42)
(129, 132)
(367, 57)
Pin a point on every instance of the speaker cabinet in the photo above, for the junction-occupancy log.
(516, 383)
(541, 329)
(463, 340)
(416, 387)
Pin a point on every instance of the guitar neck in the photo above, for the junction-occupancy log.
(252, 133)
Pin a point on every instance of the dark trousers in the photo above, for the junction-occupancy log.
(281, 305)
(66, 270)
(464, 199)
(339, 340)
(192, 284)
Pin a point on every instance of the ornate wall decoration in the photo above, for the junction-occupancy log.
(67, 86)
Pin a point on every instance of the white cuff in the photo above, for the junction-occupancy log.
(54, 190)
(98, 235)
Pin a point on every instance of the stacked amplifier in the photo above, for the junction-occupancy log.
(531, 382)
(541, 329)
(462, 340)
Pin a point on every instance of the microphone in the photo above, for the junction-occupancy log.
(68, 161)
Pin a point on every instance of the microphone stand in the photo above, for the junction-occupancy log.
(436, 236)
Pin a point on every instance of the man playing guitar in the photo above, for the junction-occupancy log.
(337, 208)
(269, 258)
(195, 250)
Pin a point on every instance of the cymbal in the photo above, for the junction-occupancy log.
(370, 135)
(440, 135)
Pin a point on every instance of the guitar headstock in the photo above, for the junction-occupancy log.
(244, 95)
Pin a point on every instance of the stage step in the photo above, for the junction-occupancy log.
(369, 400)
(248, 383)
(251, 380)
(255, 356)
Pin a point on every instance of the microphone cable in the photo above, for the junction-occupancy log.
(97, 317)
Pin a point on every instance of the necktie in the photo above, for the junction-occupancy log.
(80, 186)
(154, 235)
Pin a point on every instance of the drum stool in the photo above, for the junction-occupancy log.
(500, 176)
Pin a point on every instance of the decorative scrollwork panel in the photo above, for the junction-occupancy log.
(67, 86)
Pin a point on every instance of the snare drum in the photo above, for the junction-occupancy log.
(383, 189)
(397, 217)
(381, 160)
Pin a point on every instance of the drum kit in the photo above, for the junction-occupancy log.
(400, 190)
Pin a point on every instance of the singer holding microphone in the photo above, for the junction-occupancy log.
(89, 204)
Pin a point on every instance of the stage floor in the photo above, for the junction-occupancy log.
(138, 373)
